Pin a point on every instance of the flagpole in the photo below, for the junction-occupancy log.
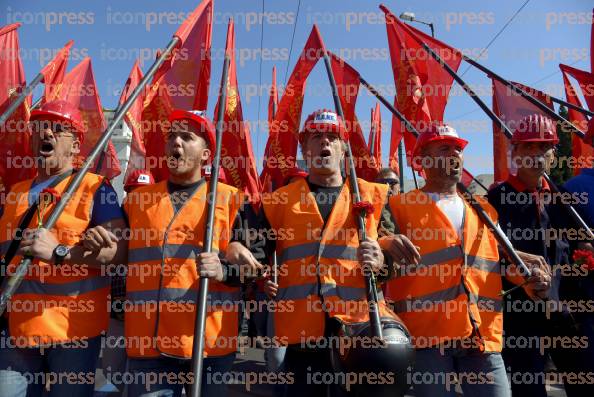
(407, 124)
(498, 233)
(527, 96)
(274, 257)
(572, 212)
(201, 310)
(372, 295)
(21, 98)
(11, 284)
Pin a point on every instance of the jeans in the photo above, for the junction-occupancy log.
(479, 374)
(167, 377)
(70, 370)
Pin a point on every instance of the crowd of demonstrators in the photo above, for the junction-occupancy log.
(473, 317)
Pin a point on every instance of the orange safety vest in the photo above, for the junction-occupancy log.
(319, 274)
(454, 293)
(56, 303)
(162, 280)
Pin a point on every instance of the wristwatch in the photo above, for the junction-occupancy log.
(60, 252)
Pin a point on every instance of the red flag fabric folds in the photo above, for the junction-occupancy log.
(54, 71)
(15, 151)
(237, 156)
(281, 147)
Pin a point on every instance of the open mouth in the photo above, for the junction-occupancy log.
(46, 148)
(325, 153)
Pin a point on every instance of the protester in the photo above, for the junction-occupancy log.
(59, 312)
(529, 215)
(447, 289)
(167, 222)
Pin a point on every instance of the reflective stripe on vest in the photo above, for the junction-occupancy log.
(51, 291)
(456, 295)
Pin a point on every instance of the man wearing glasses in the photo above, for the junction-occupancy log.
(390, 178)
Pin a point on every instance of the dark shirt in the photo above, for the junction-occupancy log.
(527, 218)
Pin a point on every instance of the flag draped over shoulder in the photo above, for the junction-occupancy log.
(15, 152)
(79, 89)
(281, 147)
(237, 157)
(54, 72)
(510, 107)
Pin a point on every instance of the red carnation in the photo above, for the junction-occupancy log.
(582, 257)
(363, 208)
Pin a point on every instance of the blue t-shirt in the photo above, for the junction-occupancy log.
(584, 182)
(105, 202)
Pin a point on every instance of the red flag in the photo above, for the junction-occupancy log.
(237, 156)
(374, 142)
(592, 43)
(15, 151)
(348, 83)
(281, 147)
(181, 82)
(187, 70)
(54, 71)
(79, 88)
(422, 85)
(396, 133)
(133, 119)
(510, 107)
(580, 149)
(273, 98)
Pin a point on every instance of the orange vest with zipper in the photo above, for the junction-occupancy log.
(56, 303)
(319, 274)
(162, 280)
(454, 293)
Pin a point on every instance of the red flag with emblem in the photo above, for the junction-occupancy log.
(510, 107)
(374, 142)
(422, 85)
(237, 156)
(133, 119)
(581, 150)
(79, 88)
(54, 71)
(281, 147)
(15, 151)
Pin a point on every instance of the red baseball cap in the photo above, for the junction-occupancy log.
(138, 178)
(437, 132)
(198, 117)
(535, 128)
(324, 120)
(61, 111)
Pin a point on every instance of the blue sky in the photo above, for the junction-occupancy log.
(544, 34)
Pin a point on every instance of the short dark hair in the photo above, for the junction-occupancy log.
(385, 172)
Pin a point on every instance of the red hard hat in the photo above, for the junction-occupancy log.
(198, 117)
(138, 178)
(437, 132)
(324, 120)
(535, 128)
(63, 111)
